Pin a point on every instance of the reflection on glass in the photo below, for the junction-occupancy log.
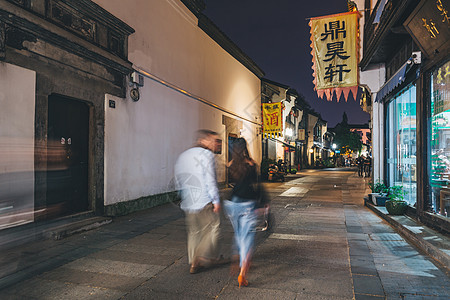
(401, 143)
(440, 140)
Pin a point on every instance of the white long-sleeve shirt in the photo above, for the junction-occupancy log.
(195, 178)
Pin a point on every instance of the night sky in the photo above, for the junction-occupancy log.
(275, 34)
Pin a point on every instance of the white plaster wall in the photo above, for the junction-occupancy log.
(378, 140)
(280, 151)
(374, 78)
(272, 149)
(143, 139)
(17, 102)
(168, 43)
(288, 105)
(324, 130)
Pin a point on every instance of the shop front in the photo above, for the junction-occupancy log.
(401, 142)
(439, 139)
(406, 64)
(417, 140)
(429, 26)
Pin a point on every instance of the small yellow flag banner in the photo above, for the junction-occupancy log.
(272, 123)
(335, 52)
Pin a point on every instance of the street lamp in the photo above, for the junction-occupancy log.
(334, 146)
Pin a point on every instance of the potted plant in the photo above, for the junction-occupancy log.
(396, 205)
(379, 190)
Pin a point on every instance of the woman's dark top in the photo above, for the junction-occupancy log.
(244, 187)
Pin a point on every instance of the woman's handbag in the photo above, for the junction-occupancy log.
(265, 218)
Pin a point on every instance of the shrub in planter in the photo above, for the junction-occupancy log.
(396, 208)
(396, 205)
(293, 171)
(378, 195)
(380, 199)
(378, 187)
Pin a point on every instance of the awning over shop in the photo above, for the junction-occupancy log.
(393, 82)
(380, 10)
(281, 142)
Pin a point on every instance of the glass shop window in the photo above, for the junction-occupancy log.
(401, 143)
(440, 140)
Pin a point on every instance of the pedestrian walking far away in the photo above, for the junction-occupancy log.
(195, 177)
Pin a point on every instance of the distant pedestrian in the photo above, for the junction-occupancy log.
(360, 161)
(195, 176)
(367, 166)
(241, 208)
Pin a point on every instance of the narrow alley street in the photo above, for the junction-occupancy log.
(325, 245)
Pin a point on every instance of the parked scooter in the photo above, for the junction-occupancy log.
(275, 173)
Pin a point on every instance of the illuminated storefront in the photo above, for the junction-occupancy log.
(411, 105)
(440, 139)
(401, 142)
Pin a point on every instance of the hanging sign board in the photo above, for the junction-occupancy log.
(272, 122)
(429, 25)
(301, 134)
(335, 52)
(440, 94)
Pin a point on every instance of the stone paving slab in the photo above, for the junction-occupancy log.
(369, 285)
(177, 280)
(433, 243)
(97, 279)
(47, 289)
(142, 258)
(368, 297)
(402, 271)
(257, 294)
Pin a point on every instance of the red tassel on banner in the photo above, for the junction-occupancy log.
(338, 93)
(320, 93)
(328, 94)
(354, 90)
(346, 91)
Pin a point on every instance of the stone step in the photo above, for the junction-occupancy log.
(60, 232)
(50, 229)
(433, 243)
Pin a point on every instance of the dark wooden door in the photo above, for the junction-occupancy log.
(67, 156)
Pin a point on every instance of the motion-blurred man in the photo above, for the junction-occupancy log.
(195, 176)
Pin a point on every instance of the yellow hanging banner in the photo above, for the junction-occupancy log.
(272, 123)
(335, 51)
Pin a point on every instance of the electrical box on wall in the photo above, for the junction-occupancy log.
(137, 78)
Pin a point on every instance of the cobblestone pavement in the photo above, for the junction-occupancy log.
(325, 245)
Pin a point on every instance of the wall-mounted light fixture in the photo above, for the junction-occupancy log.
(136, 80)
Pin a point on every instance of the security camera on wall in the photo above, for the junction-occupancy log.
(417, 57)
